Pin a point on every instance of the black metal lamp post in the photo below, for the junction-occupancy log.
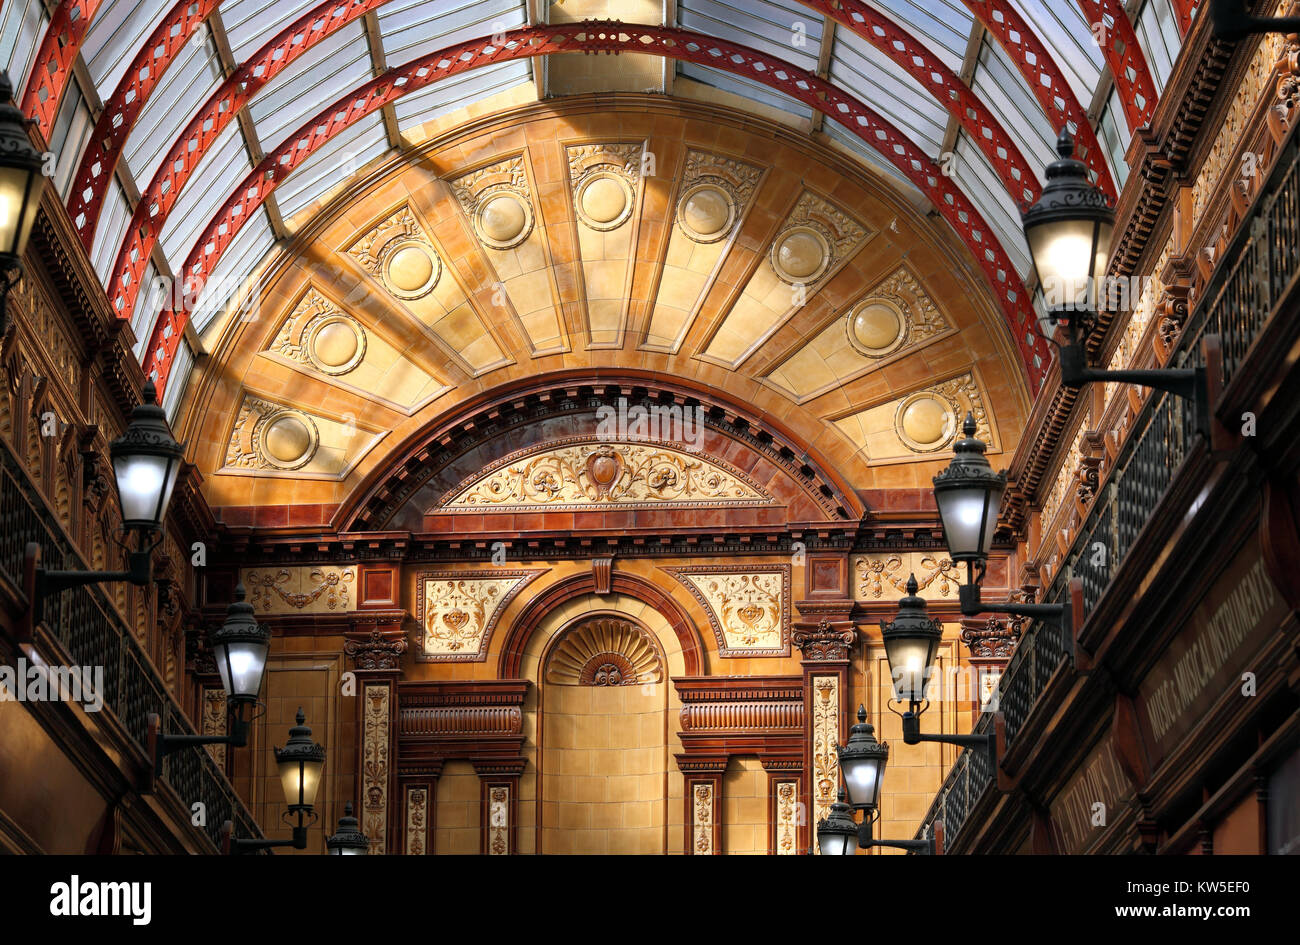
(862, 762)
(1069, 230)
(349, 840)
(840, 835)
(1231, 21)
(146, 463)
(240, 646)
(20, 193)
(968, 494)
(911, 645)
(301, 762)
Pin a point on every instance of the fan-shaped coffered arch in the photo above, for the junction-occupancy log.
(415, 315)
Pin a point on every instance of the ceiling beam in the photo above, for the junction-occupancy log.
(378, 66)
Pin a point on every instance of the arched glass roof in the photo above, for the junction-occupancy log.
(159, 110)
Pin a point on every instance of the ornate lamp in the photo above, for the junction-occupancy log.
(862, 762)
(838, 834)
(911, 645)
(348, 840)
(21, 180)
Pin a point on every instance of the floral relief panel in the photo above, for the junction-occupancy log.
(457, 610)
(748, 607)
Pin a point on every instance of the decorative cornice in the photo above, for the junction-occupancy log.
(824, 641)
(376, 650)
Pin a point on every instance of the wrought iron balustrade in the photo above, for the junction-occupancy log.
(93, 634)
(1256, 269)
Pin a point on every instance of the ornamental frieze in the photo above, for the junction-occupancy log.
(300, 590)
(884, 576)
(748, 607)
(591, 474)
(457, 610)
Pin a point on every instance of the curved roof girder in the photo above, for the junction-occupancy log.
(1046, 81)
(54, 60)
(1113, 31)
(206, 127)
(104, 151)
(611, 37)
(949, 90)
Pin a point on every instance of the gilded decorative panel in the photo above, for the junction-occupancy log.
(884, 576)
(748, 607)
(457, 610)
(826, 738)
(604, 651)
(787, 818)
(714, 195)
(271, 440)
(214, 722)
(702, 817)
(813, 241)
(922, 422)
(498, 820)
(889, 321)
(592, 474)
(417, 820)
(302, 589)
(374, 766)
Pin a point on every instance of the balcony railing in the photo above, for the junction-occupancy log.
(91, 633)
(1257, 267)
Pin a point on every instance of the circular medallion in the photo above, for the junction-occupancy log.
(925, 422)
(410, 269)
(604, 201)
(876, 328)
(706, 212)
(800, 255)
(503, 221)
(335, 344)
(288, 440)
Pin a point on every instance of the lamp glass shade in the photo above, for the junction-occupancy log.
(144, 486)
(911, 662)
(862, 780)
(970, 517)
(834, 843)
(20, 199)
(347, 851)
(1070, 256)
(241, 664)
(301, 779)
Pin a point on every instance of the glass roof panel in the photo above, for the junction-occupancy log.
(945, 25)
(184, 87)
(339, 62)
(458, 91)
(1065, 31)
(841, 134)
(254, 239)
(251, 23)
(861, 68)
(1157, 32)
(113, 221)
(344, 154)
(1003, 90)
(22, 24)
(415, 28)
(980, 183)
(222, 169)
(116, 35)
(746, 88)
(781, 28)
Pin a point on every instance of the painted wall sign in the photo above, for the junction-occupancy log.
(1090, 800)
(1234, 618)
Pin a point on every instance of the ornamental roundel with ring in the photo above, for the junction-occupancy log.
(287, 439)
(800, 255)
(334, 344)
(604, 201)
(926, 422)
(410, 268)
(706, 212)
(503, 219)
(876, 328)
